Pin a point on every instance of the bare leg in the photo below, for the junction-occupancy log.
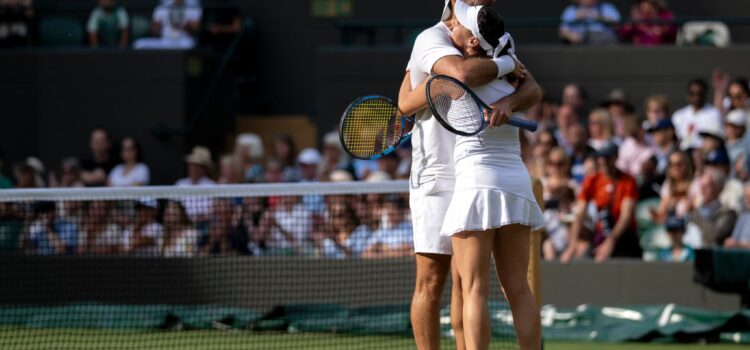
(457, 303)
(432, 270)
(511, 251)
(472, 252)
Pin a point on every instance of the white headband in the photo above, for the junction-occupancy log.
(467, 16)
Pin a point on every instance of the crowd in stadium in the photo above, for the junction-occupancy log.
(682, 170)
(179, 24)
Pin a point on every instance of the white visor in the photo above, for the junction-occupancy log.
(467, 16)
(446, 11)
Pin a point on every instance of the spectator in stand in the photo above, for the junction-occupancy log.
(342, 235)
(679, 252)
(714, 221)
(664, 142)
(651, 24)
(731, 193)
(634, 151)
(176, 25)
(308, 161)
(108, 25)
(334, 157)
(5, 181)
(558, 214)
(247, 222)
(698, 114)
(741, 234)
(97, 167)
(601, 129)
(657, 107)
(68, 175)
(649, 181)
(589, 22)
(290, 225)
(274, 172)
(394, 237)
(180, 235)
(100, 234)
(674, 192)
(132, 171)
(16, 21)
(199, 164)
(581, 154)
(29, 173)
(619, 109)
(47, 234)
(199, 210)
(736, 126)
(248, 149)
(223, 24)
(565, 120)
(389, 165)
(11, 227)
(575, 97)
(537, 162)
(730, 94)
(285, 152)
(614, 195)
(145, 235)
(230, 171)
(557, 174)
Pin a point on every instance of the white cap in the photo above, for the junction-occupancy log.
(467, 16)
(253, 141)
(712, 129)
(35, 164)
(332, 139)
(309, 156)
(738, 117)
(378, 176)
(341, 176)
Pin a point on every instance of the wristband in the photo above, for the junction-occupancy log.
(505, 65)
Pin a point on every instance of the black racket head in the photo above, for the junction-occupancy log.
(371, 127)
(455, 106)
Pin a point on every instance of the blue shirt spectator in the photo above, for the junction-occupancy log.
(589, 22)
(49, 235)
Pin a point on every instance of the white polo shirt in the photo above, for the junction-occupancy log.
(688, 122)
(432, 145)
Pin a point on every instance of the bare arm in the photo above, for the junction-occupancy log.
(411, 100)
(473, 71)
(93, 40)
(124, 38)
(526, 96)
(575, 230)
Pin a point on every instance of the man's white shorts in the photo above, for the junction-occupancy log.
(429, 203)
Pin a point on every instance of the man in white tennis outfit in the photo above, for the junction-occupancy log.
(433, 175)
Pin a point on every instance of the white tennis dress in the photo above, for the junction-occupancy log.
(493, 186)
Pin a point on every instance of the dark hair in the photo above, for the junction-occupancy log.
(700, 82)
(743, 83)
(287, 139)
(491, 25)
(138, 149)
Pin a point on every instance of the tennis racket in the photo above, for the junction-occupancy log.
(460, 110)
(372, 127)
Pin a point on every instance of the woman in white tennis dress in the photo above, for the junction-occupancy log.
(493, 208)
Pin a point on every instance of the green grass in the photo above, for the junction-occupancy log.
(82, 339)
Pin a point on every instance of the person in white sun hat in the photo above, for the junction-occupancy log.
(432, 174)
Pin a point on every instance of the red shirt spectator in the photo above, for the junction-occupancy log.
(652, 24)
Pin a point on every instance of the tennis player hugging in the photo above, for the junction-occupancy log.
(489, 209)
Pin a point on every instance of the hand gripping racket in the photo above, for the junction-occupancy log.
(372, 127)
(460, 110)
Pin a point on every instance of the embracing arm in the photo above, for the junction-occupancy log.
(473, 71)
(526, 96)
(410, 100)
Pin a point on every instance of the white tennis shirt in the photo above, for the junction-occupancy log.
(432, 145)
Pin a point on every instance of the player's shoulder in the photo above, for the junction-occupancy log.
(438, 32)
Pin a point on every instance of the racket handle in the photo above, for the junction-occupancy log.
(522, 123)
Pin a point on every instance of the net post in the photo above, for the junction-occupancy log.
(535, 274)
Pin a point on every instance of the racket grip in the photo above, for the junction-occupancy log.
(522, 123)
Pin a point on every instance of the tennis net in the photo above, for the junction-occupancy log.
(292, 266)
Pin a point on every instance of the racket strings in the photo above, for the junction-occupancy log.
(456, 106)
(371, 127)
